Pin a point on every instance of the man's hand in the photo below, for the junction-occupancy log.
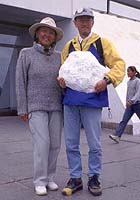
(61, 82)
(24, 117)
(100, 86)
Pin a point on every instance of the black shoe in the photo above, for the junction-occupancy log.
(94, 186)
(73, 185)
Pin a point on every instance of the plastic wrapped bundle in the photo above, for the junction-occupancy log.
(81, 71)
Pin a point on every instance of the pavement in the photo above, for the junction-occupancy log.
(120, 175)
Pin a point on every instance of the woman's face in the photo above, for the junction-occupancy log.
(130, 73)
(46, 36)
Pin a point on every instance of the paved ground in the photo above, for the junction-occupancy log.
(120, 176)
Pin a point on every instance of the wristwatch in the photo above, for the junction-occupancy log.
(107, 80)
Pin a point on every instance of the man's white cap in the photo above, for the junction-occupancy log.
(84, 12)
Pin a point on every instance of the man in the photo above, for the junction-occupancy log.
(87, 107)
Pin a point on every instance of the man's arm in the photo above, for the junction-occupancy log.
(114, 62)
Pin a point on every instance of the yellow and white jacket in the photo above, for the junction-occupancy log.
(112, 58)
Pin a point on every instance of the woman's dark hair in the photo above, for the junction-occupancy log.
(133, 69)
(35, 38)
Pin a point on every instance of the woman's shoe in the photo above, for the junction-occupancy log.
(41, 190)
(52, 186)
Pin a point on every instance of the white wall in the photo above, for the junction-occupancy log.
(60, 7)
(125, 11)
(98, 5)
(125, 34)
(69, 32)
(115, 8)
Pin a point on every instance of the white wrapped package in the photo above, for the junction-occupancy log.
(81, 71)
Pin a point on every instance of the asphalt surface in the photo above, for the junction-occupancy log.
(120, 175)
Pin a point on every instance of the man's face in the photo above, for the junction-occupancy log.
(84, 25)
(46, 36)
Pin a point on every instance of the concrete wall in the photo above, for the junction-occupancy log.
(60, 8)
(98, 5)
(69, 32)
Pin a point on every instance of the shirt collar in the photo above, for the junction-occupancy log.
(81, 39)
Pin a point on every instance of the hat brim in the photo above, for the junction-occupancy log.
(34, 27)
(80, 15)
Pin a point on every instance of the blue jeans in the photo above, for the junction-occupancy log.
(135, 108)
(91, 120)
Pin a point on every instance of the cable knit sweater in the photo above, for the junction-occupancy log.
(36, 84)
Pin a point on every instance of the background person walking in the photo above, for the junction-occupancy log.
(132, 102)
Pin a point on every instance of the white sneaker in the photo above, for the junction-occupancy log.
(52, 186)
(41, 190)
(114, 138)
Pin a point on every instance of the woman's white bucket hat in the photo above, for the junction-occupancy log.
(46, 22)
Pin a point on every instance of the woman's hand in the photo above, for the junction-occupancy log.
(61, 82)
(24, 117)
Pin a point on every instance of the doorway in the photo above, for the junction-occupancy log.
(8, 58)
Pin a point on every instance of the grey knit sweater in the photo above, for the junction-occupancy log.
(37, 88)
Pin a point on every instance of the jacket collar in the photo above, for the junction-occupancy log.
(42, 50)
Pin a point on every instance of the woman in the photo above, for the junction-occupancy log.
(132, 102)
(39, 100)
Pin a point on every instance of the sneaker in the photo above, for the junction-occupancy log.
(94, 186)
(73, 185)
(52, 186)
(114, 138)
(41, 190)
